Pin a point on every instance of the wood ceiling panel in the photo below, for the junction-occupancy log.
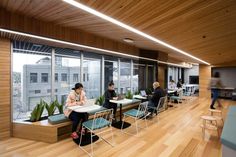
(203, 28)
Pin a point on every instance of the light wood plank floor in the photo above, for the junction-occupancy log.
(177, 134)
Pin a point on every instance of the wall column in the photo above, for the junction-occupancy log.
(5, 92)
(204, 78)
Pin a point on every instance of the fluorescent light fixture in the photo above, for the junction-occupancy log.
(128, 40)
(84, 46)
(116, 22)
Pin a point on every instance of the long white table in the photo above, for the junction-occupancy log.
(90, 109)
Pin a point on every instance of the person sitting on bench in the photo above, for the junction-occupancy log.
(110, 94)
(76, 97)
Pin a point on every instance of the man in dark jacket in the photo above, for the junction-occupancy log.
(110, 94)
(154, 100)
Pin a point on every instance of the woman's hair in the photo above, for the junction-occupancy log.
(111, 83)
(77, 86)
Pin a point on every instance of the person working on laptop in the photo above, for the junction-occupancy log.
(76, 97)
(110, 94)
(158, 93)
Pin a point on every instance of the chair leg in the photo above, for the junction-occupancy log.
(81, 136)
(136, 125)
(91, 135)
(123, 123)
(113, 142)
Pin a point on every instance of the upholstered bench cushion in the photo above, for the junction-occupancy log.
(228, 136)
(56, 119)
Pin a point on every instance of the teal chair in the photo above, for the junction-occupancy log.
(97, 125)
(136, 114)
(156, 110)
(177, 98)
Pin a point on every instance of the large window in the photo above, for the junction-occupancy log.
(125, 77)
(44, 77)
(111, 73)
(32, 78)
(66, 66)
(92, 77)
(27, 89)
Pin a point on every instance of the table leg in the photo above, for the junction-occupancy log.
(118, 124)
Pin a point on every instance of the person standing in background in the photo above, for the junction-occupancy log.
(215, 85)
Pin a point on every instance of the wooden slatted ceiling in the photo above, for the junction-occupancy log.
(182, 23)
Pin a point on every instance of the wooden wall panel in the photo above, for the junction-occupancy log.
(204, 78)
(5, 92)
(161, 75)
(34, 26)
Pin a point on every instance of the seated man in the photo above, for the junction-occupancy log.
(110, 94)
(154, 100)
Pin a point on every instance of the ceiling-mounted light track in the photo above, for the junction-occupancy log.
(125, 26)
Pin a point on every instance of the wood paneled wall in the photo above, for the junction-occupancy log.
(161, 75)
(5, 92)
(204, 78)
(30, 25)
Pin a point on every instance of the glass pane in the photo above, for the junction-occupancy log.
(111, 73)
(92, 77)
(150, 76)
(31, 82)
(135, 78)
(125, 76)
(67, 72)
(142, 77)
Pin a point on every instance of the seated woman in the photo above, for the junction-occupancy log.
(76, 97)
(110, 94)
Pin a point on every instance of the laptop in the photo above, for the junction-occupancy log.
(143, 93)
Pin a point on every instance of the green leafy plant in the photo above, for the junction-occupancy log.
(50, 107)
(37, 111)
(136, 93)
(129, 95)
(100, 100)
(60, 106)
(148, 91)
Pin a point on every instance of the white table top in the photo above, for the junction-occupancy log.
(139, 97)
(171, 91)
(190, 85)
(85, 108)
(123, 101)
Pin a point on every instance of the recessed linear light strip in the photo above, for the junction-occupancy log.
(83, 46)
(114, 21)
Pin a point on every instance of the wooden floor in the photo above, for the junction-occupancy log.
(177, 134)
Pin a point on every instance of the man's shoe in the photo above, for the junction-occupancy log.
(212, 107)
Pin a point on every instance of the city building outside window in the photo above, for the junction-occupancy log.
(33, 77)
(44, 77)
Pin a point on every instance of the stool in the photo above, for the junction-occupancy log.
(210, 125)
(217, 114)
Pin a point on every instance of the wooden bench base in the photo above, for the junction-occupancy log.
(42, 130)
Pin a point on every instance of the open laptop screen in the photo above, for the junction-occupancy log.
(143, 93)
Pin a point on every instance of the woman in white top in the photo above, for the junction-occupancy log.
(76, 97)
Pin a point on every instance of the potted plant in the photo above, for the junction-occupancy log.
(37, 111)
(100, 100)
(59, 106)
(50, 107)
(129, 95)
